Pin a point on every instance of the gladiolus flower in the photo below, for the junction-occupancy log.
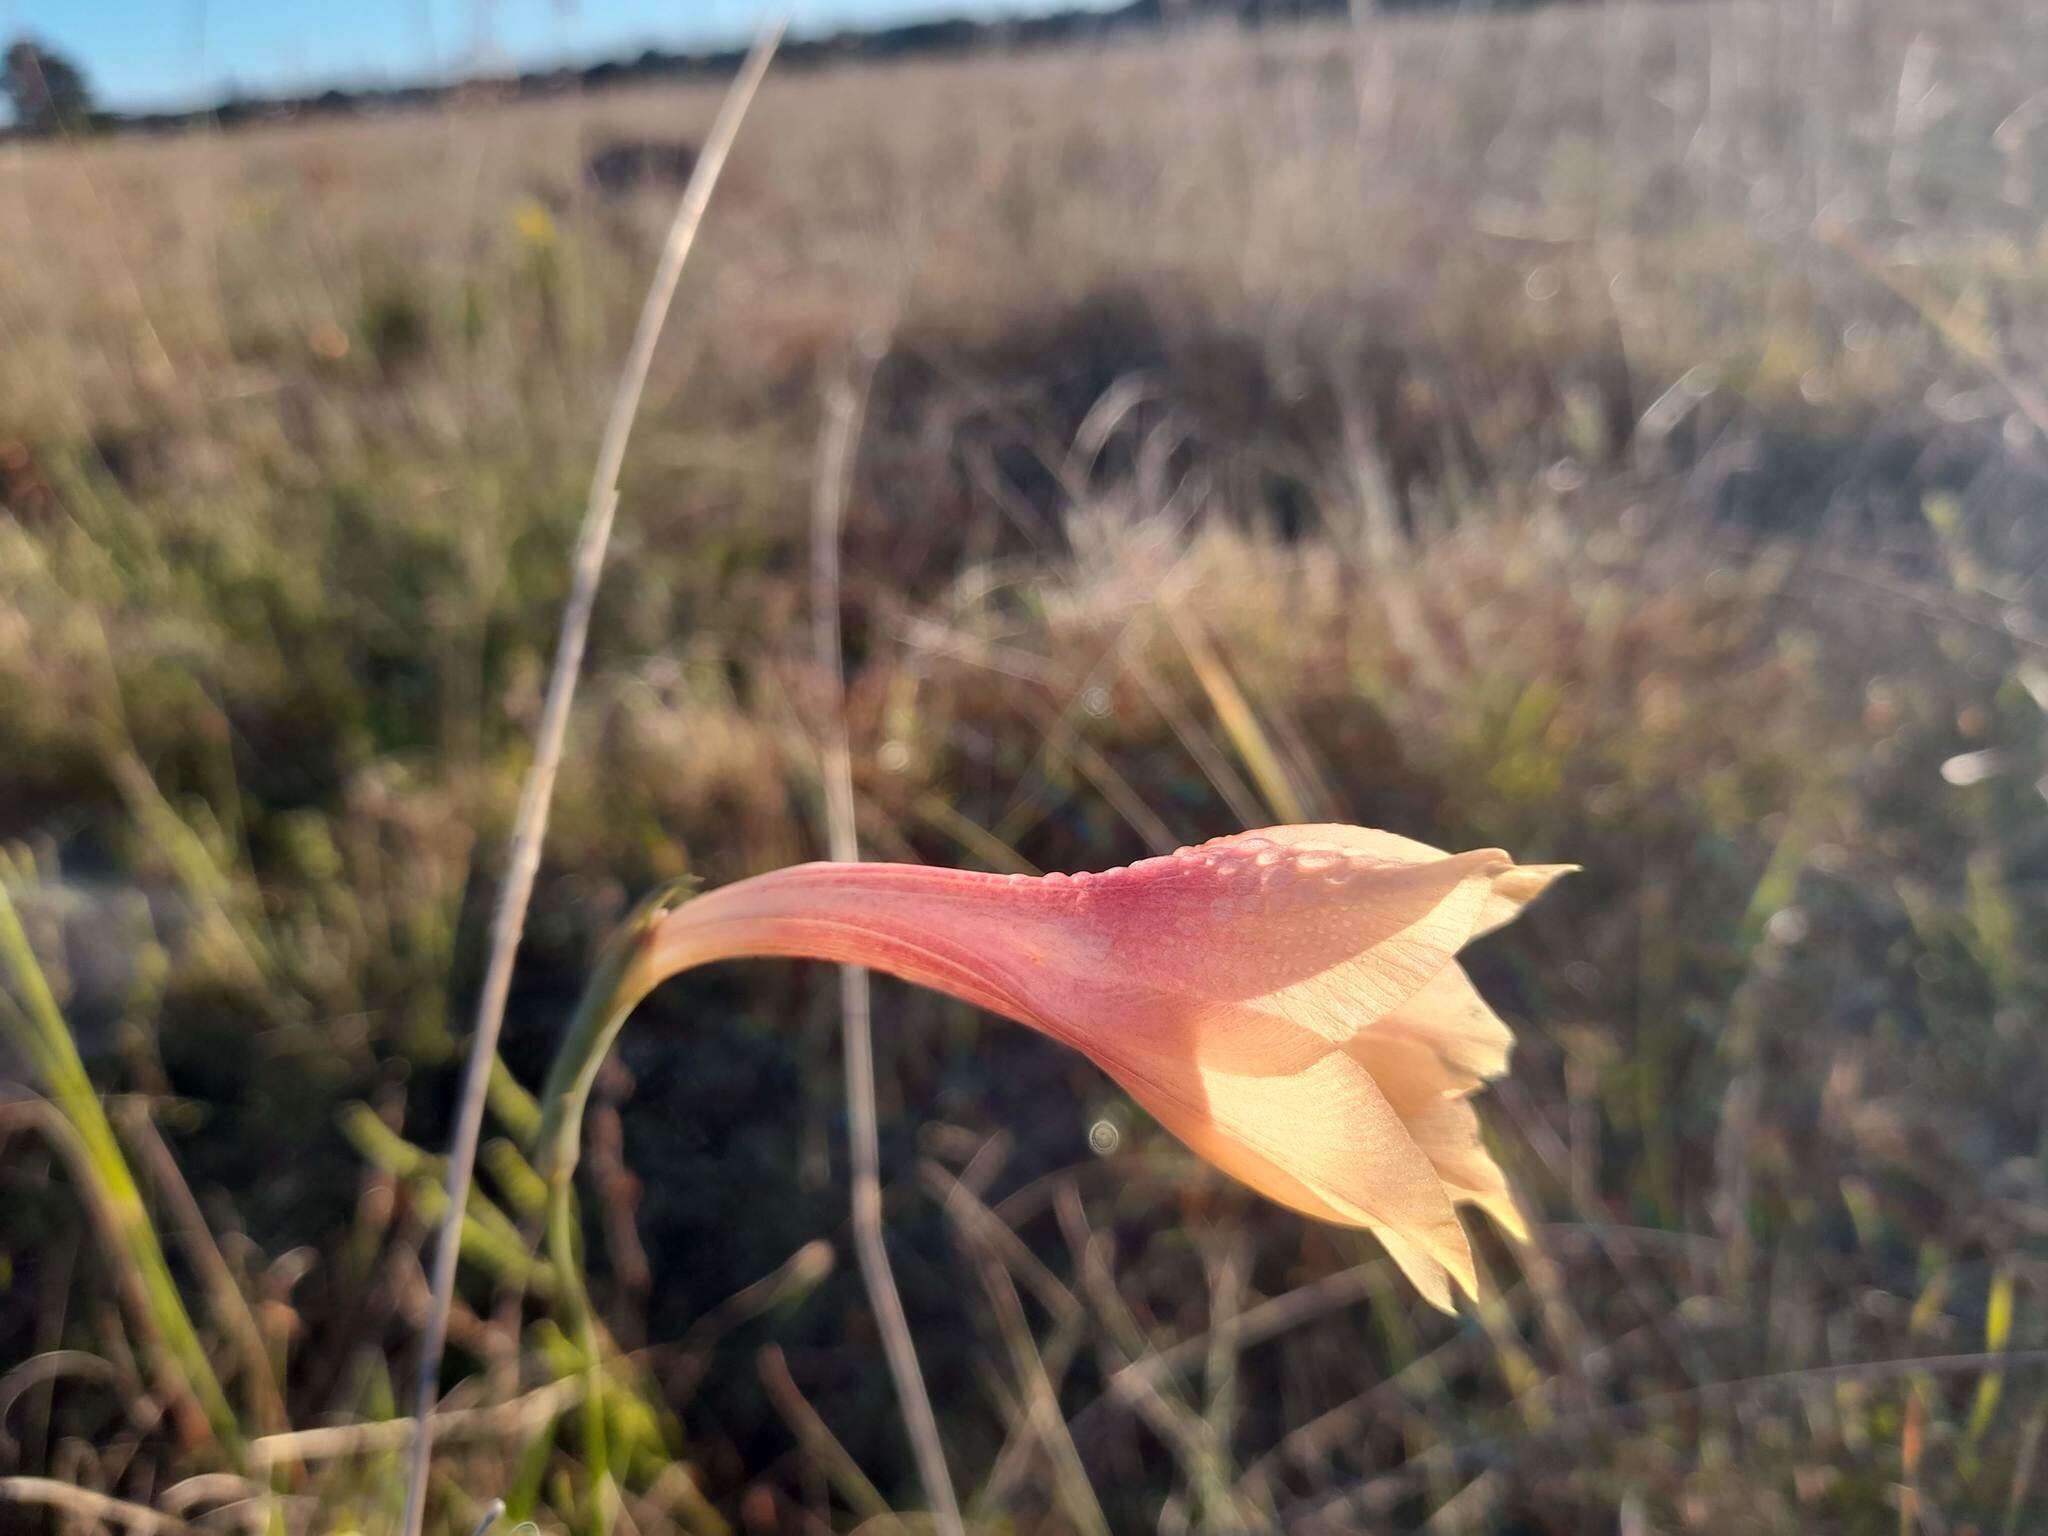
(1286, 1002)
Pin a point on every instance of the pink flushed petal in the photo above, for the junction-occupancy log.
(1304, 1006)
(1513, 889)
(1326, 943)
(1221, 985)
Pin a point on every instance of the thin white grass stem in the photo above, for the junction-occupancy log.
(85, 1505)
(508, 1421)
(529, 823)
(843, 410)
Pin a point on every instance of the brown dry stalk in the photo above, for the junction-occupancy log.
(819, 1442)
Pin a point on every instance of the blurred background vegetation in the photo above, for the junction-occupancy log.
(1618, 433)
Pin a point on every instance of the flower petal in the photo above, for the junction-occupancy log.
(1450, 1020)
(1324, 1141)
(1514, 889)
(1447, 1131)
(1438, 1115)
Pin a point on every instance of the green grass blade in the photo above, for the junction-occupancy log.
(37, 1029)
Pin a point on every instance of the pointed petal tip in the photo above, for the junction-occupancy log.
(1444, 1274)
(1427, 1272)
(1514, 888)
(1525, 882)
(1501, 1208)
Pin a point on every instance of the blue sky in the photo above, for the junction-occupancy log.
(161, 52)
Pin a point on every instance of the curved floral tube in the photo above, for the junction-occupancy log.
(1286, 1002)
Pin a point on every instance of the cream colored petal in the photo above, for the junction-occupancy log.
(1439, 1117)
(1449, 1019)
(1324, 1141)
(1448, 1133)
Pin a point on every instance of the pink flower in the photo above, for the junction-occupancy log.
(1286, 1001)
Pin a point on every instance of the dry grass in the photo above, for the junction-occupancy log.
(1603, 432)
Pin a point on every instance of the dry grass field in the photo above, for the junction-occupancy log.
(1615, 432)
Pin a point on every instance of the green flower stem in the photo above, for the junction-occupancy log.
(624, 976)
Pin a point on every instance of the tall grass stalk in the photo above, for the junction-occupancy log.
(230, 1308)
(845, 406)
(529, 825)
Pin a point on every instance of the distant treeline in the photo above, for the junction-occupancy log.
(912, 39)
